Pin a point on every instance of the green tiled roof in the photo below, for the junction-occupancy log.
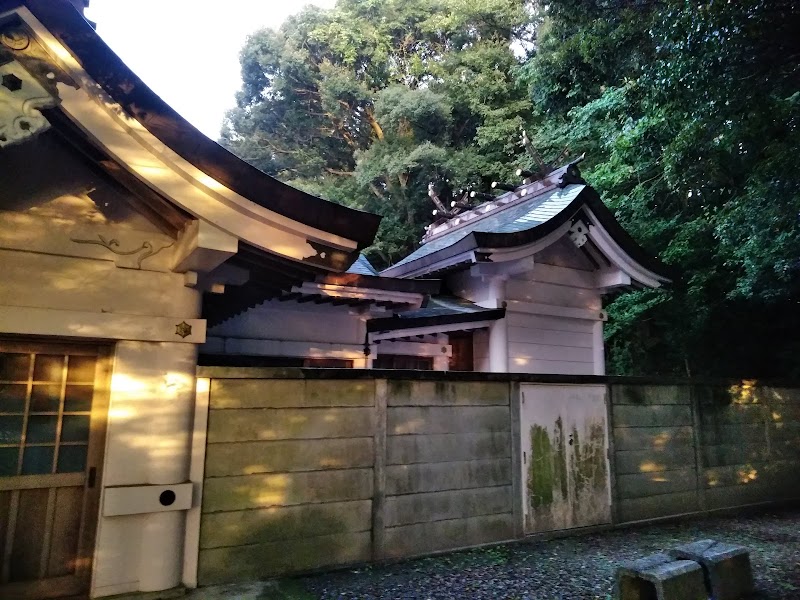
(362, 266)
(509, 219)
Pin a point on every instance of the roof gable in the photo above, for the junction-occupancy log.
(513, 218)
(526, 221)
(139, 102)
(62, 62)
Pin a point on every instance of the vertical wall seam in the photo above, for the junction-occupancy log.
(196, 475)
(700, 490)
(516, 459)
(611, 455)
(379, 471)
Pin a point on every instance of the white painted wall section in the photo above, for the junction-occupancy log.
(150, 423)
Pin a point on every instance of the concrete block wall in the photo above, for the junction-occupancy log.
(688, 448)
(448, 466)
(313, 469)
(750, 444)
(289, 477)
(307, 474)
(654, 451)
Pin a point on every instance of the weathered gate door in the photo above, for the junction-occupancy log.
(52, 429)
(565, 457)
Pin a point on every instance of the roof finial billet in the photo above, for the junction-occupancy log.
(457, 201)
(543, 168)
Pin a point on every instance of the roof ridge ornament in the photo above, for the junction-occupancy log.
(568, 174)
(458, 201)
(535, 182)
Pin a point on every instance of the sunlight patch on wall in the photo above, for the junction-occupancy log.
(651, 467)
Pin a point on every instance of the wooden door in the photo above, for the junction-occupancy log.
(565, 470)
(462, 344)
(53, 404)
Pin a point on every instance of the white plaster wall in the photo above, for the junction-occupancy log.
(290, 321)
(152, 397)
(66, 283)
(150, 417)
(291, 329)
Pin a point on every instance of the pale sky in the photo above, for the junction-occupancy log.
(187, 51)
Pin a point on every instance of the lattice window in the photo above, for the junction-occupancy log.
(45, 412)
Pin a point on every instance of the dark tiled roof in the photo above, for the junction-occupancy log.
(437, 306)
(362, 266)
(140, 102)
(438, 310)
(511, 219)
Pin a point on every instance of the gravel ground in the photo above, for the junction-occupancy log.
(574, 567)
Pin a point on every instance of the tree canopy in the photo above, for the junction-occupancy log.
(368, 102)
(688, 112)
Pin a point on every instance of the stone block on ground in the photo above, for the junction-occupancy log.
(660, 577)
(727, 567)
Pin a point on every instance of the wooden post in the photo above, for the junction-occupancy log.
(516, 460)
(379, 470)
(611, 456)
(700, 485)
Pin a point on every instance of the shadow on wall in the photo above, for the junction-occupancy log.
(687, 448)
(289, 478)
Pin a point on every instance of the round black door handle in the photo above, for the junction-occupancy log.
(167, 498)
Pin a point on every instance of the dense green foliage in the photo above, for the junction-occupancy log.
(365, 104)
(689, 113)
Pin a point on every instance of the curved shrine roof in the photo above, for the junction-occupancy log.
(140, 102)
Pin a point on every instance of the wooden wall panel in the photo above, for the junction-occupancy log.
(29, 536)
(247, 563)
(248, 458)
(66, 525)
(544, 344)
(5, 508)
(258, 526)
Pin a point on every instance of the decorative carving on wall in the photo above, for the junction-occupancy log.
(14, 39)
(143, 252)
(183, 329)
(578, 233)
(21, 99)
